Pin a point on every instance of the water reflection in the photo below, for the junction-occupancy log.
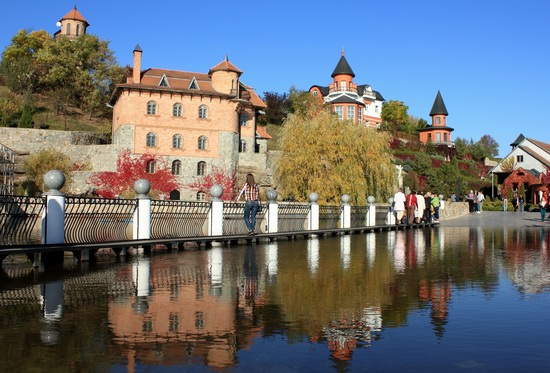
(340, 294)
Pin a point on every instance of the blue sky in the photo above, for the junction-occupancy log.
(489, 58)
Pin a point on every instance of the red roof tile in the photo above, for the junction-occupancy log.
(262, 133)
(75, 14)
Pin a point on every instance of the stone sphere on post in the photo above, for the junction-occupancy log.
(54, 181)
(142, 187)
(440, 197)
(271, 195)
(345, 199)
(216, 192)
(313, 197)
(390, 201)
(370, 200)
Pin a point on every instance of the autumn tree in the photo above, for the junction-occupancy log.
(508, 165)
(131, 168)
(489, 144)
(218, 175)
(39, 163)
(322, 154)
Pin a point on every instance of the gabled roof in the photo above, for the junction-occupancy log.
(343, 68)
(518, 140)
(346, 99)
(438, 107)
(225, 65)
(74, 14)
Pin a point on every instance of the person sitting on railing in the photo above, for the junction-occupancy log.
(251, 192)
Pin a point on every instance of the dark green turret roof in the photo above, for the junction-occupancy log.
(439, 106)
(343, 68)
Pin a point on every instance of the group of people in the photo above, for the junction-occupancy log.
(475, 201)
(416, 207)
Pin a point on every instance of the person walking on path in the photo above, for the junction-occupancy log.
(399, 201)
(521, 203)
(251, 192)
(411, 206)
(480, 199)
(542, 206)
(435, 204)
(428, 209)
(420, 207)
(470, 199)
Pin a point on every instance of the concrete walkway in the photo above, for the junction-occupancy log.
(497, 219)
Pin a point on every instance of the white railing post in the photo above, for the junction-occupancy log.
(53, 218)
(142, 214)
(272, 216)
(390, 218)
(215, 217)
(313, 215)
(345, 215)
(371, 211)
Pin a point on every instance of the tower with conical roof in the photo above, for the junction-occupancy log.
(73, 24)
(437, 133)
(350, 101)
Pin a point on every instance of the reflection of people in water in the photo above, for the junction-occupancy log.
(439, 293)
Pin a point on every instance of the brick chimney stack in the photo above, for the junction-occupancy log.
(137, 64)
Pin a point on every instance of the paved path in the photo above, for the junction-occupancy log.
(497, 219)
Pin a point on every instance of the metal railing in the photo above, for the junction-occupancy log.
(179, 219)
(98, 219)
(233, 218)
(358, 216)
(18, 218)
(329, 217)
(292, 217)
(7, 168)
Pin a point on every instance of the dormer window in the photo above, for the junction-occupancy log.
(164, 82)
(193, 84)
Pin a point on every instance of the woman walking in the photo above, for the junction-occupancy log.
(251, 192)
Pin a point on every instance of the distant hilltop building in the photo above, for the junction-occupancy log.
(73, 24)
(437, 132)
(350, 101)
(195, 121)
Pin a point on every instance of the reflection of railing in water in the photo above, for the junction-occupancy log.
(18, 218)
(292, 217)
(329, 216)
(233, 218)
(179, 219)
(98, 220)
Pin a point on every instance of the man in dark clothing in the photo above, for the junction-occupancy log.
(428, 209)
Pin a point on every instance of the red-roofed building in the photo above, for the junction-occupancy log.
(73, 24)
(196, 121)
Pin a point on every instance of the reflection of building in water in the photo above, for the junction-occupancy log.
(439, 294)
(353, 329)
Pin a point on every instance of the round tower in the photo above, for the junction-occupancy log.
(73, 24)
(225, 77)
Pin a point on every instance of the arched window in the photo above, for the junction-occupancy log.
(177, 141)
(201, 196)
(177, 110)
(203, 142)
(151, 108)
(242, 146)
(150, 166)
(176, 167)
(68, 29)
(201, 168)
(203, 112)
(77, 30)
(151, 139)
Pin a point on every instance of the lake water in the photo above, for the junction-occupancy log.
(447, 299)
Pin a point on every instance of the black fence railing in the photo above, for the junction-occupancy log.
(19, 216)
(292, 217)
(329, 217)
(98, 219)
(179, 219)
(358, 216)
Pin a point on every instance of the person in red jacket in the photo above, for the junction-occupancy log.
(411, 206)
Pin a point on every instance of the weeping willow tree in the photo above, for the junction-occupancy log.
(320, 153)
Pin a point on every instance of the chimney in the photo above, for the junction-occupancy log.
(137, 64)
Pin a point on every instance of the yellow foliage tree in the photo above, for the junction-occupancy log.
(320, 153)
(508, 165)
(39, 163)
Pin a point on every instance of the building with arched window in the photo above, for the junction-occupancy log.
(73, 24)
(214, 112)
